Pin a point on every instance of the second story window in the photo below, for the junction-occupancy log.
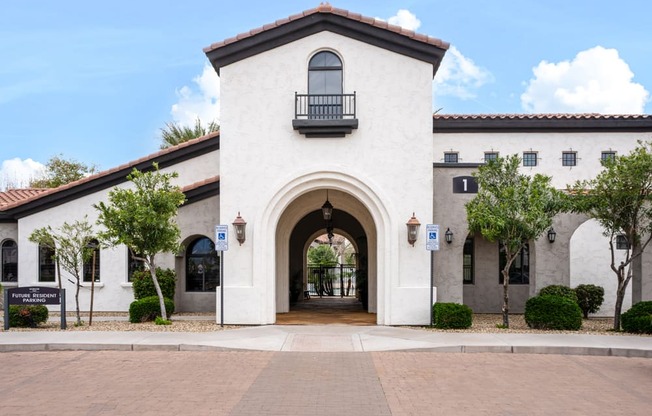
(608, 155)
(488, 156)
(325, 86)
(569, 159)
(450, 157)
(529, 159)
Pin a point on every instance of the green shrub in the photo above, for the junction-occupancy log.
(147, 309)
(452, 316)
(144, 285)
(638, 319)
(589, 298)
(553, 312)
(29, 316)
(559, 290)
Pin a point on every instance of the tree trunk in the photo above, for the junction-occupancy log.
(620, 296)
(506, 298)
(161, 300)
(90, 312)
(77, 301)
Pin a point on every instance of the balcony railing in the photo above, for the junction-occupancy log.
(324, 106)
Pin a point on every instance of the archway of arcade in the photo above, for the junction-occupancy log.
(320, 295)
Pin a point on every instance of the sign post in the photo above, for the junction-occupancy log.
(221, 245)
(432, 244)
(35, 295)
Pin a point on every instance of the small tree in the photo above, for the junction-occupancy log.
(72, 249)
(322, 255)
(511, 208)
(59, 171)
(174, 133)
(143, 219)
(620, 199)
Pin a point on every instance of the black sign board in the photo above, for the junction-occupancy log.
(465, 185)
(35, 295)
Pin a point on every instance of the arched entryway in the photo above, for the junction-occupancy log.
(301, 221)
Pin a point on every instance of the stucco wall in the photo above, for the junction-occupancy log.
(389, 153)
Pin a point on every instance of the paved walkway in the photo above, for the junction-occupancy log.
(328, 338)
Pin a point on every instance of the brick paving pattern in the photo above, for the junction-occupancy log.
(304, 383)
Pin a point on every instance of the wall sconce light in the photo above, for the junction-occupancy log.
(239, 225)
(551, 235)
(413, 225)
(448, 235)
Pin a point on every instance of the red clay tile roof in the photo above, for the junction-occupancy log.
(12, 196)
(558, 116)
(327, 8)
(199, 184)
(47, 192)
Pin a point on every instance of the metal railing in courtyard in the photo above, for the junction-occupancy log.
(337, 280)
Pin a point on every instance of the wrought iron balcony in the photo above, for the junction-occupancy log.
(324, 115)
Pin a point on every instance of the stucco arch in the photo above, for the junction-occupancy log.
(304, 194)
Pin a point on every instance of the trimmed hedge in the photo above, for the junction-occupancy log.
(147, 309)
(589, 298)
(553, 312)
(452, 316)
(27, 316)
(638, 319)
(144, 285)
(559, 290)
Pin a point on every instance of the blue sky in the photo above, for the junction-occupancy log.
(95, 81)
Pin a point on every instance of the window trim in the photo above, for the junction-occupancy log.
(448, 154)
(527, 159)
(566, 161)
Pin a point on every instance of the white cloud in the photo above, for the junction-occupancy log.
(406, 19)
(459, 76)
(597, 80)
(199, 101)
(17, 173)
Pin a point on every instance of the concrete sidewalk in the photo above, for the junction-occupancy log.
(328, 338)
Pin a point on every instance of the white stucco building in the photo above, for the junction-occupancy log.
(331, 105)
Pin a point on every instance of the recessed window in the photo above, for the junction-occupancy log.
(9, 261)
(489, 156)
(134, 265)
(621, 242)
(529, 159)
(94, 260)
(519, 271)
(569, 159)
(608, 155)
(467, 262)
(450, 157)
(46, 264)
(202, 266)
(325, 86)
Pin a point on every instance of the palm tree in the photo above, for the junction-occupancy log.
(174, 133)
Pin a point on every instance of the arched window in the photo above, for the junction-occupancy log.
(88, 264)
(9, 261)
(46, 271)
(325, 86)
(519, 271)
(202, 266)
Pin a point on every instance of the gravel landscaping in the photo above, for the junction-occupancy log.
(482, 323)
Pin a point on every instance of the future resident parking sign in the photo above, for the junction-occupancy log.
(432, 237)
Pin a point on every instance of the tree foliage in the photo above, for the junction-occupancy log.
(143, 218)
(174, 133)
(511, 208)
(322, 255)
(60, 171)
(72, 248)
(619, 198)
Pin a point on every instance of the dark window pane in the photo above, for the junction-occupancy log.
(202, 266)
(621, 242)
(46, 264)
(450, 157)
(608, 155)
(519, 271)
(569, 159)
(88, 264)
(529, 159)
(133, 266)
(467, 262)
(9, 261)
(490, 156)
(325, 59)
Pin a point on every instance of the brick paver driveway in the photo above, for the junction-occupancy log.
(305, 383)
